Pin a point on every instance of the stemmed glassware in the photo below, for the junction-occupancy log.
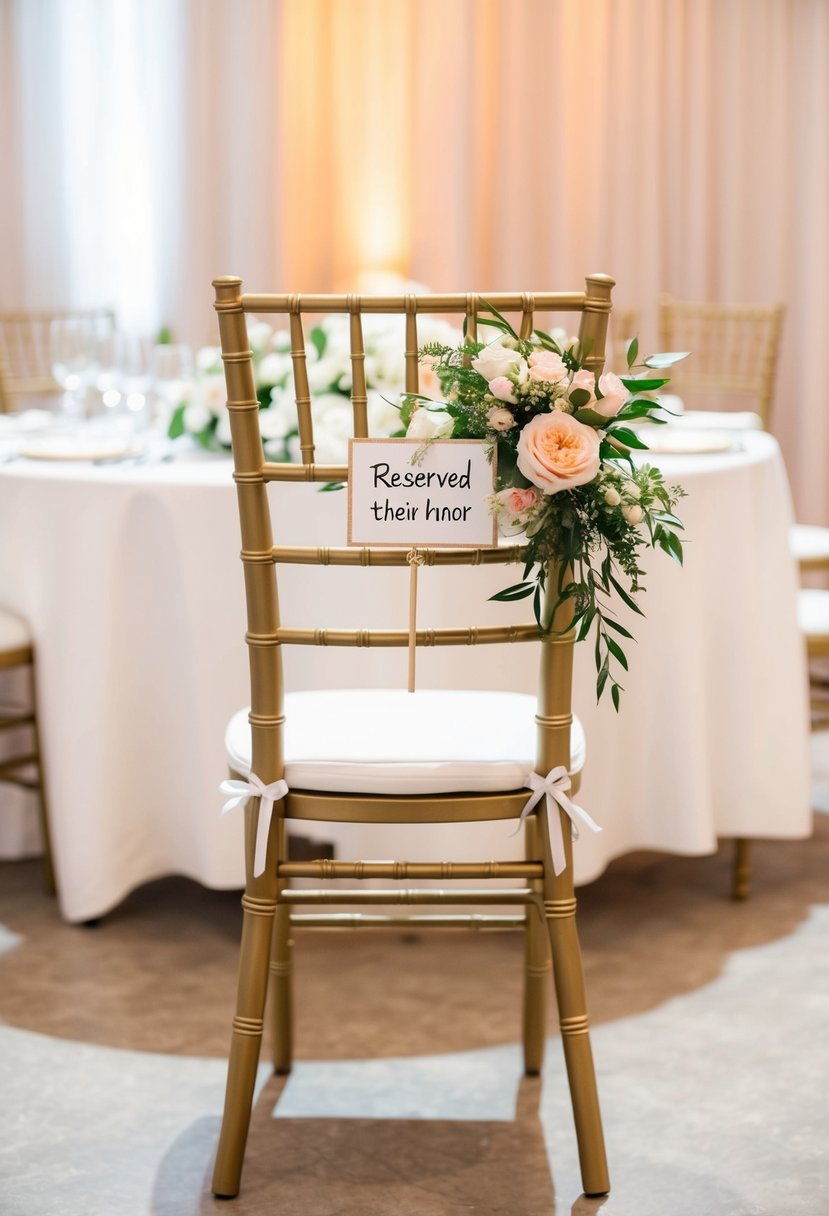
(70, 354)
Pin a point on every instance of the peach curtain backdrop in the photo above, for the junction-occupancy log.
(680, 145)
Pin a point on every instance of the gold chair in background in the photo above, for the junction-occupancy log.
(25, 352)
(294, 737)
(24, 767)
(624, 325)
(734, 351)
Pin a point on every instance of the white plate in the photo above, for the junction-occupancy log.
(670, 441)
(79, 447)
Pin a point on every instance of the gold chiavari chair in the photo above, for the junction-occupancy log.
(734, 350)
(17, 765)
(25, 357)
(733, 361)
(368, 793)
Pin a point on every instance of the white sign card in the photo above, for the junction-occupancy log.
(438, 499)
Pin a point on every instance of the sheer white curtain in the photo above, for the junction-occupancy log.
(681, 145)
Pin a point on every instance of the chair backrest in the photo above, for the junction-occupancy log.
(734, 350)
(25, 357)
(252, 472)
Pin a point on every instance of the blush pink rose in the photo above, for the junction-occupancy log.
(500, 418)
(614, 396)
(503, 389)
(614, 393)
(547, 365)
(557, 453)
(514, 508)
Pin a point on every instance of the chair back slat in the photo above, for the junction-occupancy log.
(359, 390)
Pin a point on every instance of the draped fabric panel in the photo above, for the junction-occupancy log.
(681, 145)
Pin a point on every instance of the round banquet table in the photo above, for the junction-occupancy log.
(130, 579)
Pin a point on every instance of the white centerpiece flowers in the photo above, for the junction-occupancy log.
(565, 478)
(328, 360)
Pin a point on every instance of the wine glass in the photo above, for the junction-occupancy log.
(135, 377)
(172, 378)
(70, 357)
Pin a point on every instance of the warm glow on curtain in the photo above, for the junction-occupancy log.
(681, 145)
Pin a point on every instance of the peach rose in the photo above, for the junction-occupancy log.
(547, 365)
(557, 453)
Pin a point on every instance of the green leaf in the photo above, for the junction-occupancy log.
(614, 692)
(580, 397)
(631, 351)
(490, 308)
(519, 591)
(617, 652)
(668, 359)
(332, 485)
(629, 438)
(636, 384)
(624, 596)
(601, 681)
(176, 426)
(619, 628)
(589, 417)
(319, 338)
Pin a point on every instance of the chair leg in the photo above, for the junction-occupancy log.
(536, 970)
(245, 1044)
(43, 809)
(281, 992)
(568, 976)
(742, 868)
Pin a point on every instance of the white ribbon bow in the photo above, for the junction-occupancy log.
(555, 786)
(241, 792)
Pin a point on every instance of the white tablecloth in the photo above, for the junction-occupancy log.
(130, 579)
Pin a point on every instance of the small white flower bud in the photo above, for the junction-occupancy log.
(612, 496)
(633, 514)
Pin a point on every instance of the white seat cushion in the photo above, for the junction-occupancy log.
(808, 542)
(813, 613)
(14, 632)
(387, 741)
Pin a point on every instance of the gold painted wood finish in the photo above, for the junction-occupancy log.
(25, 360)
(24, 767)
(548, 903)
(734, 352)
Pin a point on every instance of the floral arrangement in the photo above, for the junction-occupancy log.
(564, 474)
(204, 414)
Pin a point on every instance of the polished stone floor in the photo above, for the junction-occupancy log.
(711, 1036)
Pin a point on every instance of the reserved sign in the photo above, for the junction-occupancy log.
(438, 499)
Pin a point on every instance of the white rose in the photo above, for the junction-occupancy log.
(196, 417)
(259, 335)
(633, 513)
(273, 424)
(273, 369)
(612, 496)
(430, 424)
(498, 360)
(383, 418)
(209, 359)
